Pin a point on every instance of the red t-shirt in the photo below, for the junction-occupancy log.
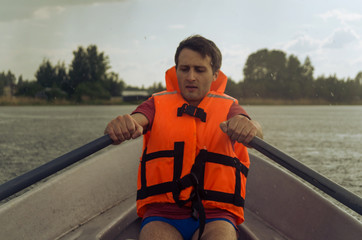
(169, 210)
(147, 108)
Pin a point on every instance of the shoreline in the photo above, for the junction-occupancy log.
(24, 101)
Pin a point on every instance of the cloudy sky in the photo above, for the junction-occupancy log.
(140, 36)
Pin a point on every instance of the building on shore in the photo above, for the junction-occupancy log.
(134, 95)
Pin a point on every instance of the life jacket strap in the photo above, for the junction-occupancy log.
(177, 155)
(194, 179)
(192, 111)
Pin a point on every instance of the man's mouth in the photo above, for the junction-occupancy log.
(191, 87)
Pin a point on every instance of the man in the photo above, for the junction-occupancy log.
(191, 180)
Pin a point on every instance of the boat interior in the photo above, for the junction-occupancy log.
(96, 200)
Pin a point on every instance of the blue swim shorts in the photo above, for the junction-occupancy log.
(187, 227)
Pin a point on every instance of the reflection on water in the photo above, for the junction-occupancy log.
(325, 138)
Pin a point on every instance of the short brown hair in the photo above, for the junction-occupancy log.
(203, 46)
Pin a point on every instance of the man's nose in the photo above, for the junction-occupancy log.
(191, 75)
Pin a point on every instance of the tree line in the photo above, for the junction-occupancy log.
(271, 74)
(268, 74)
(88, 78)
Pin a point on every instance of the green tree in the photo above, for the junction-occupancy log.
(89, 66)
(156, 87)
(327, 88)
(28, 88)
(291, 85)
(336, 90)
(61, 76)
(133, 88)
(114, 84)
(2, 85)
(91, 91)
(53, 80)
(233, 89)
(98, 64)
(46, 75)
(7, 80)
(264, 71)
(307, 76)
(358, 81)
(1, 88)
(79, 70)
(272, 74)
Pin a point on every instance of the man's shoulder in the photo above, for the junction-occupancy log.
(219, 95)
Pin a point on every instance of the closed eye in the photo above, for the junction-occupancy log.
(200, 69)
(184, 69)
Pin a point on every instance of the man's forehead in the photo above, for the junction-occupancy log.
(189, 57)
(191, 51)
(193, 65)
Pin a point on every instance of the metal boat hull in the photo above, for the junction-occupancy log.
(96, 200)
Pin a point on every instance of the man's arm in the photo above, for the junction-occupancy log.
(241, 129)
(126, 127)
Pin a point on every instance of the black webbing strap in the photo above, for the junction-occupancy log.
(192, 111)
(198, 210)
(227, 161)
(233, 198)
(177, 154)
(183, 183)
(195, 179)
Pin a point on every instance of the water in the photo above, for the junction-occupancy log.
(31, 136)
(325, 138)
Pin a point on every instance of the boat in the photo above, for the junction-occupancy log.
(95, 199)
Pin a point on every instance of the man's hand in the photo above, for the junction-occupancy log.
(239, 128)
(123, 128)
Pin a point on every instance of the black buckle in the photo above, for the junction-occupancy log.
(192, 111)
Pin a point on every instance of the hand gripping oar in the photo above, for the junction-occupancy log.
(23, 181)
(339, 193)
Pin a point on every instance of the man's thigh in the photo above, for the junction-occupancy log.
(159, 230)
(215, 230)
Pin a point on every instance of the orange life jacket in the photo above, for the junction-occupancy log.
(187, 156)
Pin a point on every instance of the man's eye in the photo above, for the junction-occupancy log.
(200, 70)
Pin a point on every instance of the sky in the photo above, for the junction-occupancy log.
(140, 36)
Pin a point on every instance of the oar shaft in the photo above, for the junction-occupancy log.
(23, 181)
(339, 193)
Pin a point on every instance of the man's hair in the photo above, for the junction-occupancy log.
(203, 46)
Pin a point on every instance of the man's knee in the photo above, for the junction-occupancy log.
(159, 230)
(215, 230)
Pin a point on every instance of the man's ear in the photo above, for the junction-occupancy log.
(216, 74)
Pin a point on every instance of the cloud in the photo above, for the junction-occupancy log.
(333, 53)
(303, 43)
(24, 9)
(341, 37)
(342, 15)
(47, 12)
(234, 57)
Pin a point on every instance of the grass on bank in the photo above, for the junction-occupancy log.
(26, 101)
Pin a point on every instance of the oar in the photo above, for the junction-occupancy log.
(23, 181)
(339, 193)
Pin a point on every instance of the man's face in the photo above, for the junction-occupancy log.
(194, 75)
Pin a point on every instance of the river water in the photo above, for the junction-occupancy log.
(325, 138)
